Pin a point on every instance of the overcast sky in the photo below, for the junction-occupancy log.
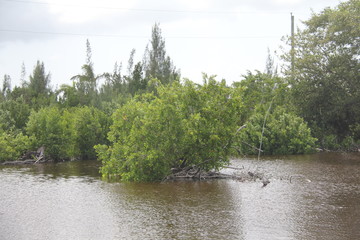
(222, 37)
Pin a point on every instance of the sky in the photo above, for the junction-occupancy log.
(226, 38)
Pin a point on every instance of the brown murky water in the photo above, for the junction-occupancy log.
(69, 201)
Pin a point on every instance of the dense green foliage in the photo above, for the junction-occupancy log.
(50, 130)
(13, 114)
(186, 124)
(13, 144)
(69, 133)
(90, 127)
(260, 89)
(326, 77)
(282, 133)
(271, 124)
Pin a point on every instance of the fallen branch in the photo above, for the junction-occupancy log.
(194, 172)
(40, 154)
(30, 157)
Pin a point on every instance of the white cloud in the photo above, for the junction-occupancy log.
(194, 5)
(287, 2)
(82, 11)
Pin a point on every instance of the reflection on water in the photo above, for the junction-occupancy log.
(69, 201)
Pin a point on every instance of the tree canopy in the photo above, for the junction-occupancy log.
(157, 64)
(326, 77)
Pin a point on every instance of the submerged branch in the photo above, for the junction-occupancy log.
(194, 172)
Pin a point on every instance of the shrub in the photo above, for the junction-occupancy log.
(184, 125)
(284, 133)
(68, 133)
(13, 145)
(90, 127)
(50, 130)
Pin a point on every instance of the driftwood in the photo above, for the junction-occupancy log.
(254, 176)
(30, 157)
(196, 173)
(40, 154)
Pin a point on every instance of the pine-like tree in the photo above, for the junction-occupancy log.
(156, 63)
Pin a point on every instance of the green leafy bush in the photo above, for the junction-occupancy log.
(184, 125)
(284, 133)
(89, 128)
(13, 145)
(68, 133)
(50, 130)
(14, 114)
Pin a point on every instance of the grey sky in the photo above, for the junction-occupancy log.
(222, 37)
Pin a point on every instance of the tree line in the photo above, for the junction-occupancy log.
(148, 121)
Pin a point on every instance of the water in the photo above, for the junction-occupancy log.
(69, 201)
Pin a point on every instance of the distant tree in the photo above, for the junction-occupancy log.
(6, 89)
(326, 78)
(86, 83)
(37, 91)
(39, 81)
(156, 63)
(23, 73)
(271, 69)
(67, 95)
(137, 82)
(131, 62)
(116, 80)
(88, 53)
(114, 84)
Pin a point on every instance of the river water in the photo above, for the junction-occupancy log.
(309, 197)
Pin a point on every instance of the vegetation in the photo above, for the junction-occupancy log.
(68, 133)
(326, 80)
(184, 125)
(282, 133)
(148, 122)
(13, 144)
